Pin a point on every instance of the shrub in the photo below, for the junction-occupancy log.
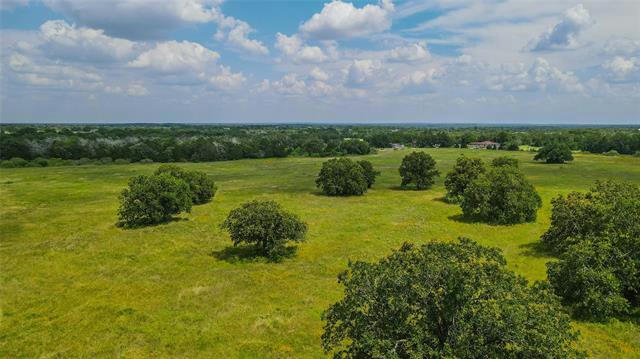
(612, 153)
(342, 177)
(41, 162)
(145, 160)
(554, 152)
(463, 173)
(82, 161)
(18, 162)
(505, 161)
(106, 160)
(445, 300)
(370, 173)
(502, 196)
(153, 199)
(121, 161)
(7, 164)
(637, 154)
(202, 187)
(418, 168)
(266, 225)
(598, 236)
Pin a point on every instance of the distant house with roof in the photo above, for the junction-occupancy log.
(483, 145)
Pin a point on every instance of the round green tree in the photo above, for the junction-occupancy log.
(266, 225)
(503, 196)
(370, 173)
(463, 173)
(201, 186)
(445, 300)
(418, 168)
(554, 152)
(153, 199)
(342, 177)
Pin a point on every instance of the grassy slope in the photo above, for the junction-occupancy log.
(73, 284)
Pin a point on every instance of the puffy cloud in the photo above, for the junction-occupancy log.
(339, 20)
(65, 41)
(238, 37)
(137, 18)
(136, 89)
(540, 76)
(361, 73)
(413, 52)
(293, 47)
(620, 67)
(153, 19)
(290, 84)
(57, 76)
(418, 81)
(227, 80)
(173, 56)
(319, 75)
(564, 35)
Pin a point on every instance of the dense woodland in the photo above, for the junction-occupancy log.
(42, 145)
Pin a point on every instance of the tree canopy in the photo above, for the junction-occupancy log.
(463, 173)
(554, 152)
(202, 187)
(370, 173)
(153, 199)
(266, 225)
(343, 177)
(418, 168)
(503, 196)
(445, 300)
(597, 235)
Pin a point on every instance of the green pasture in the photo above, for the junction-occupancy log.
(73, 284)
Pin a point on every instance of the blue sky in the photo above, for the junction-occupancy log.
(495, 61)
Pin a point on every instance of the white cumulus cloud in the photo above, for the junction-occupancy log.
(294, 48)
(339, 20)
(174, 56)
(564, 35)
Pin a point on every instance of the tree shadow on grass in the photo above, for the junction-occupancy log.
(444, 199)
(163, 223)
(408, 189)
(251, 254)
(461, 218)
(536, 249)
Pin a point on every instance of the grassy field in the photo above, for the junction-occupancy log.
(75, 285)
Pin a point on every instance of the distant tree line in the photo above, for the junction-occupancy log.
(42, 145)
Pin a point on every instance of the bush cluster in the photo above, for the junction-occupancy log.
(597, 235)
(345, 177)
(168, 192)
(502, 196)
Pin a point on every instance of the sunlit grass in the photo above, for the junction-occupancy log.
(75, 285)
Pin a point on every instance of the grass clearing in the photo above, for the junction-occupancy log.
(75, 285)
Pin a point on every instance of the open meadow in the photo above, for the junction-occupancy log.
(73, 284)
